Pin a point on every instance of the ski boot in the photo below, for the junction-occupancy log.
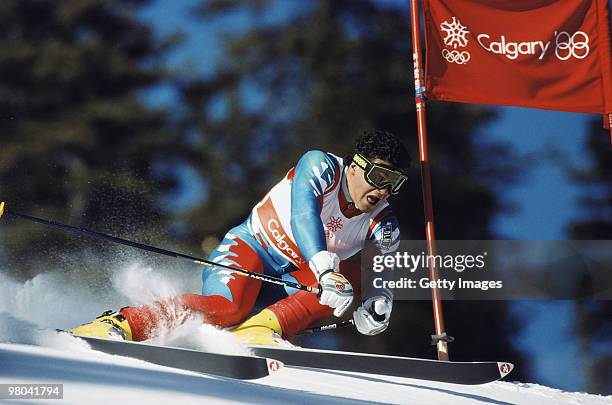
(260, 329)
(109, 325)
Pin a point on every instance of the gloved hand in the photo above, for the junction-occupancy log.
(335, 290)
(372, 317)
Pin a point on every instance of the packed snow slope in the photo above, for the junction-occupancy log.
(32, 352)
(97, 378)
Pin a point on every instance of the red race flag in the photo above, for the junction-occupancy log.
(548, 54)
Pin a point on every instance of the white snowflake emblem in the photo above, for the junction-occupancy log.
(334, 223)
(455, 33)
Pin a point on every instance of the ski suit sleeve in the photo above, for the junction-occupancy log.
(316, 173)
(385, 234)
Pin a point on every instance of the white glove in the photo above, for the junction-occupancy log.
(372, 317)
(335, 290)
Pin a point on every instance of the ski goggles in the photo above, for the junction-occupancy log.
(380, 176)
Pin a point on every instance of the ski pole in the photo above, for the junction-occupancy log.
(142, 246)
(331, 326)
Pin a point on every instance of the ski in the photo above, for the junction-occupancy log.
(467, 373)
(223, 365)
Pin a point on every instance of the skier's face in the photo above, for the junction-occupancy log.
(365, 196)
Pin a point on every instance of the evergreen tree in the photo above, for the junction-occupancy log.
(78, 144)
(594, 317)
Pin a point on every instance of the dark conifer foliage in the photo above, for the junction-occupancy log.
(78, 145)
(594, 222)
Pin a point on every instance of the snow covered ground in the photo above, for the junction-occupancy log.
(96, 378)
(31, 352)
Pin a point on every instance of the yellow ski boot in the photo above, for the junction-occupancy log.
(109, 325)
(260, 329)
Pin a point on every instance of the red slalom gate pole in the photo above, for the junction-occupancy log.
(440, 339)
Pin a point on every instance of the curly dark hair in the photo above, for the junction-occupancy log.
(377, 144)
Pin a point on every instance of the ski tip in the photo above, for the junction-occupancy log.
(274, 365)
(1, 208)
(504, 368)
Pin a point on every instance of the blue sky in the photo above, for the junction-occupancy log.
(546, 199)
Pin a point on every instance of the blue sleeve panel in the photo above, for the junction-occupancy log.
(386, 236)
(315, 173)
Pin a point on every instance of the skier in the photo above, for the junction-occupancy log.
(303, 230)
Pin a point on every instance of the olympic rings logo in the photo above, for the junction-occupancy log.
(457, 57)
(576, 45)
